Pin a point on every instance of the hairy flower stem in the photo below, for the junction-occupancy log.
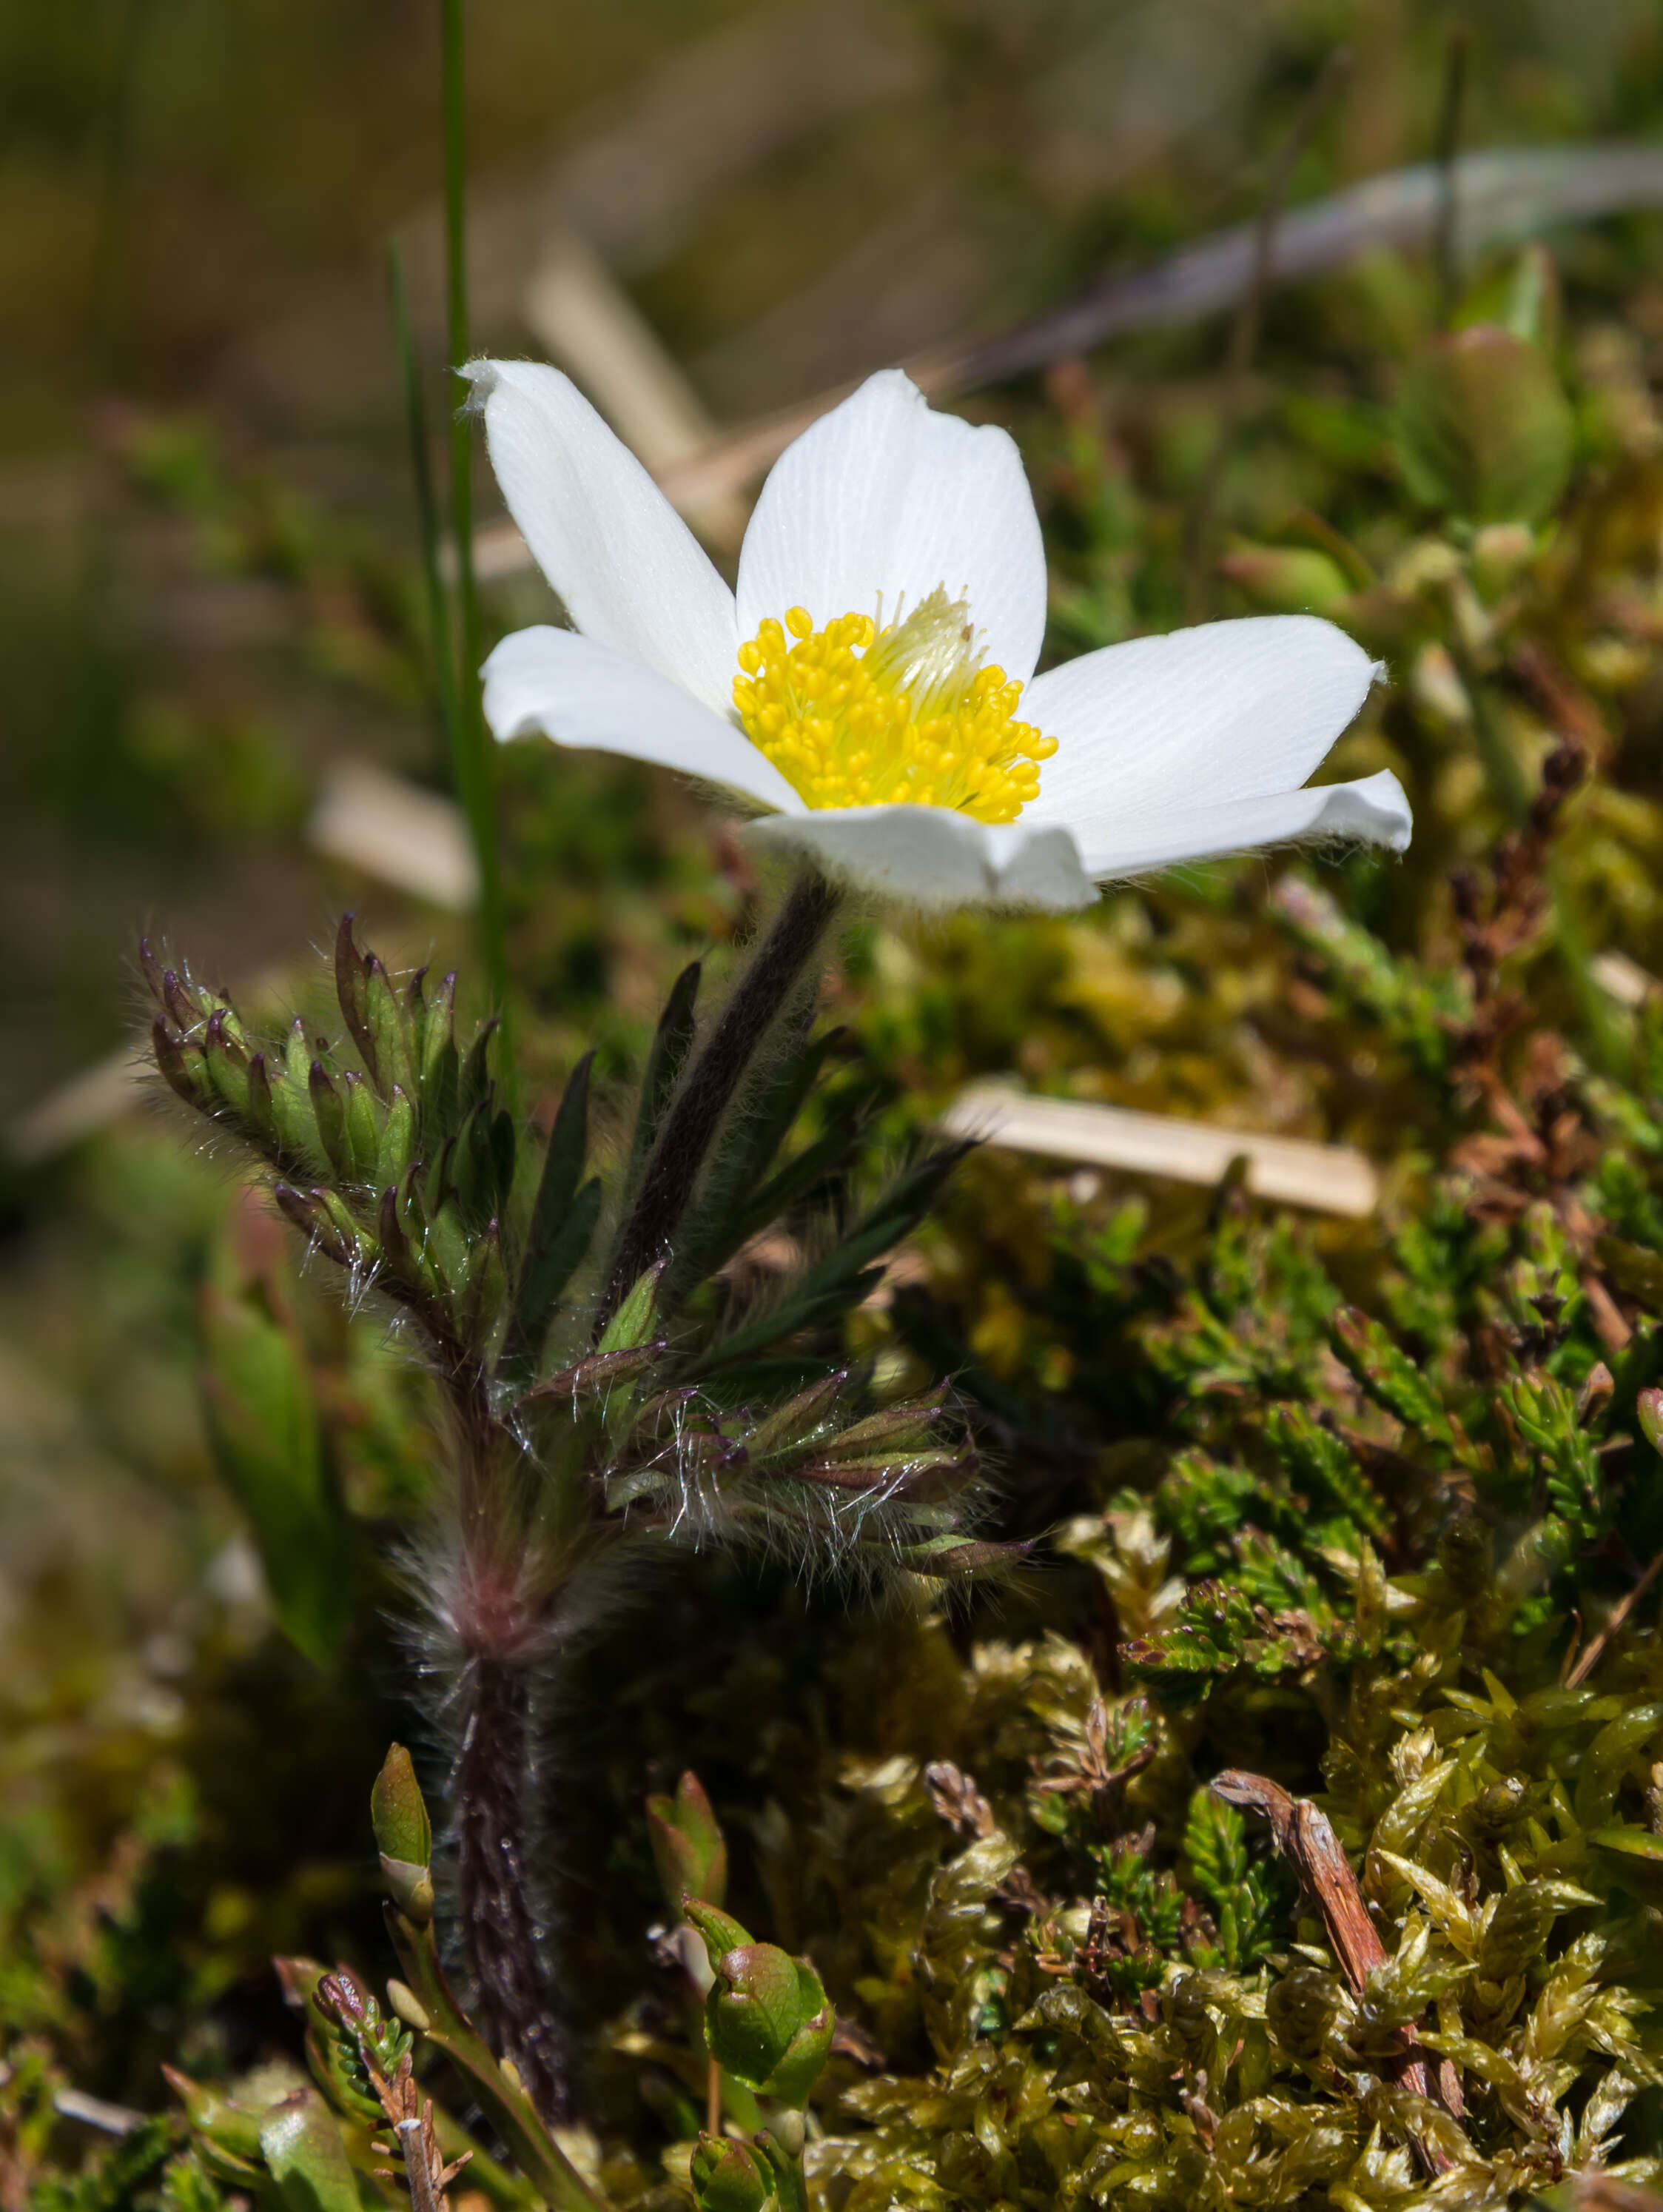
(762, 995)
(493, 1775)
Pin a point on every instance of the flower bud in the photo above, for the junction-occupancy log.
(1484, 430)
(728, 2177)
(687, 1846)
(403, 1835)
(767, 2017)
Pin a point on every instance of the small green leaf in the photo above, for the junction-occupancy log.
(268, 1440)
(307, 2158)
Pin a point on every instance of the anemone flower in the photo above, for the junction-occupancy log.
(868, 693)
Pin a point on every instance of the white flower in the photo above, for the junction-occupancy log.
(870, 686)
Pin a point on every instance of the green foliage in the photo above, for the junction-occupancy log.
(272, 1451)
(406, 1172)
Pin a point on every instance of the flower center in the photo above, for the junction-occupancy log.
(857, 716)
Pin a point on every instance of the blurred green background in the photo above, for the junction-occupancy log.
(209, 600)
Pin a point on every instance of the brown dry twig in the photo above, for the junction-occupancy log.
(955, 1795)
(1597, 1646)
(1306, 1839)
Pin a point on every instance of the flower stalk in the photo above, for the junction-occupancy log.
(763, 992)
(495, 1773)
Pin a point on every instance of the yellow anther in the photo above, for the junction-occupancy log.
(852, 715)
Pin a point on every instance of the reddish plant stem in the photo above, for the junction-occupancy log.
(760, 996)
(500, 1922)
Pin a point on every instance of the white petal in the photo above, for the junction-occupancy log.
(934, 857)
(579, 694)
(630, 572)
(1231, 710)
(884, 496)
(1374, 808)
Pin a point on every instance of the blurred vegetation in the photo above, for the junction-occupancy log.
(1346, 1504)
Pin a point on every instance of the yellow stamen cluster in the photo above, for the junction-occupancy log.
(854, 715)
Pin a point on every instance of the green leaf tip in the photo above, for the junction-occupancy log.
(689, 1848)
(403, 1835)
